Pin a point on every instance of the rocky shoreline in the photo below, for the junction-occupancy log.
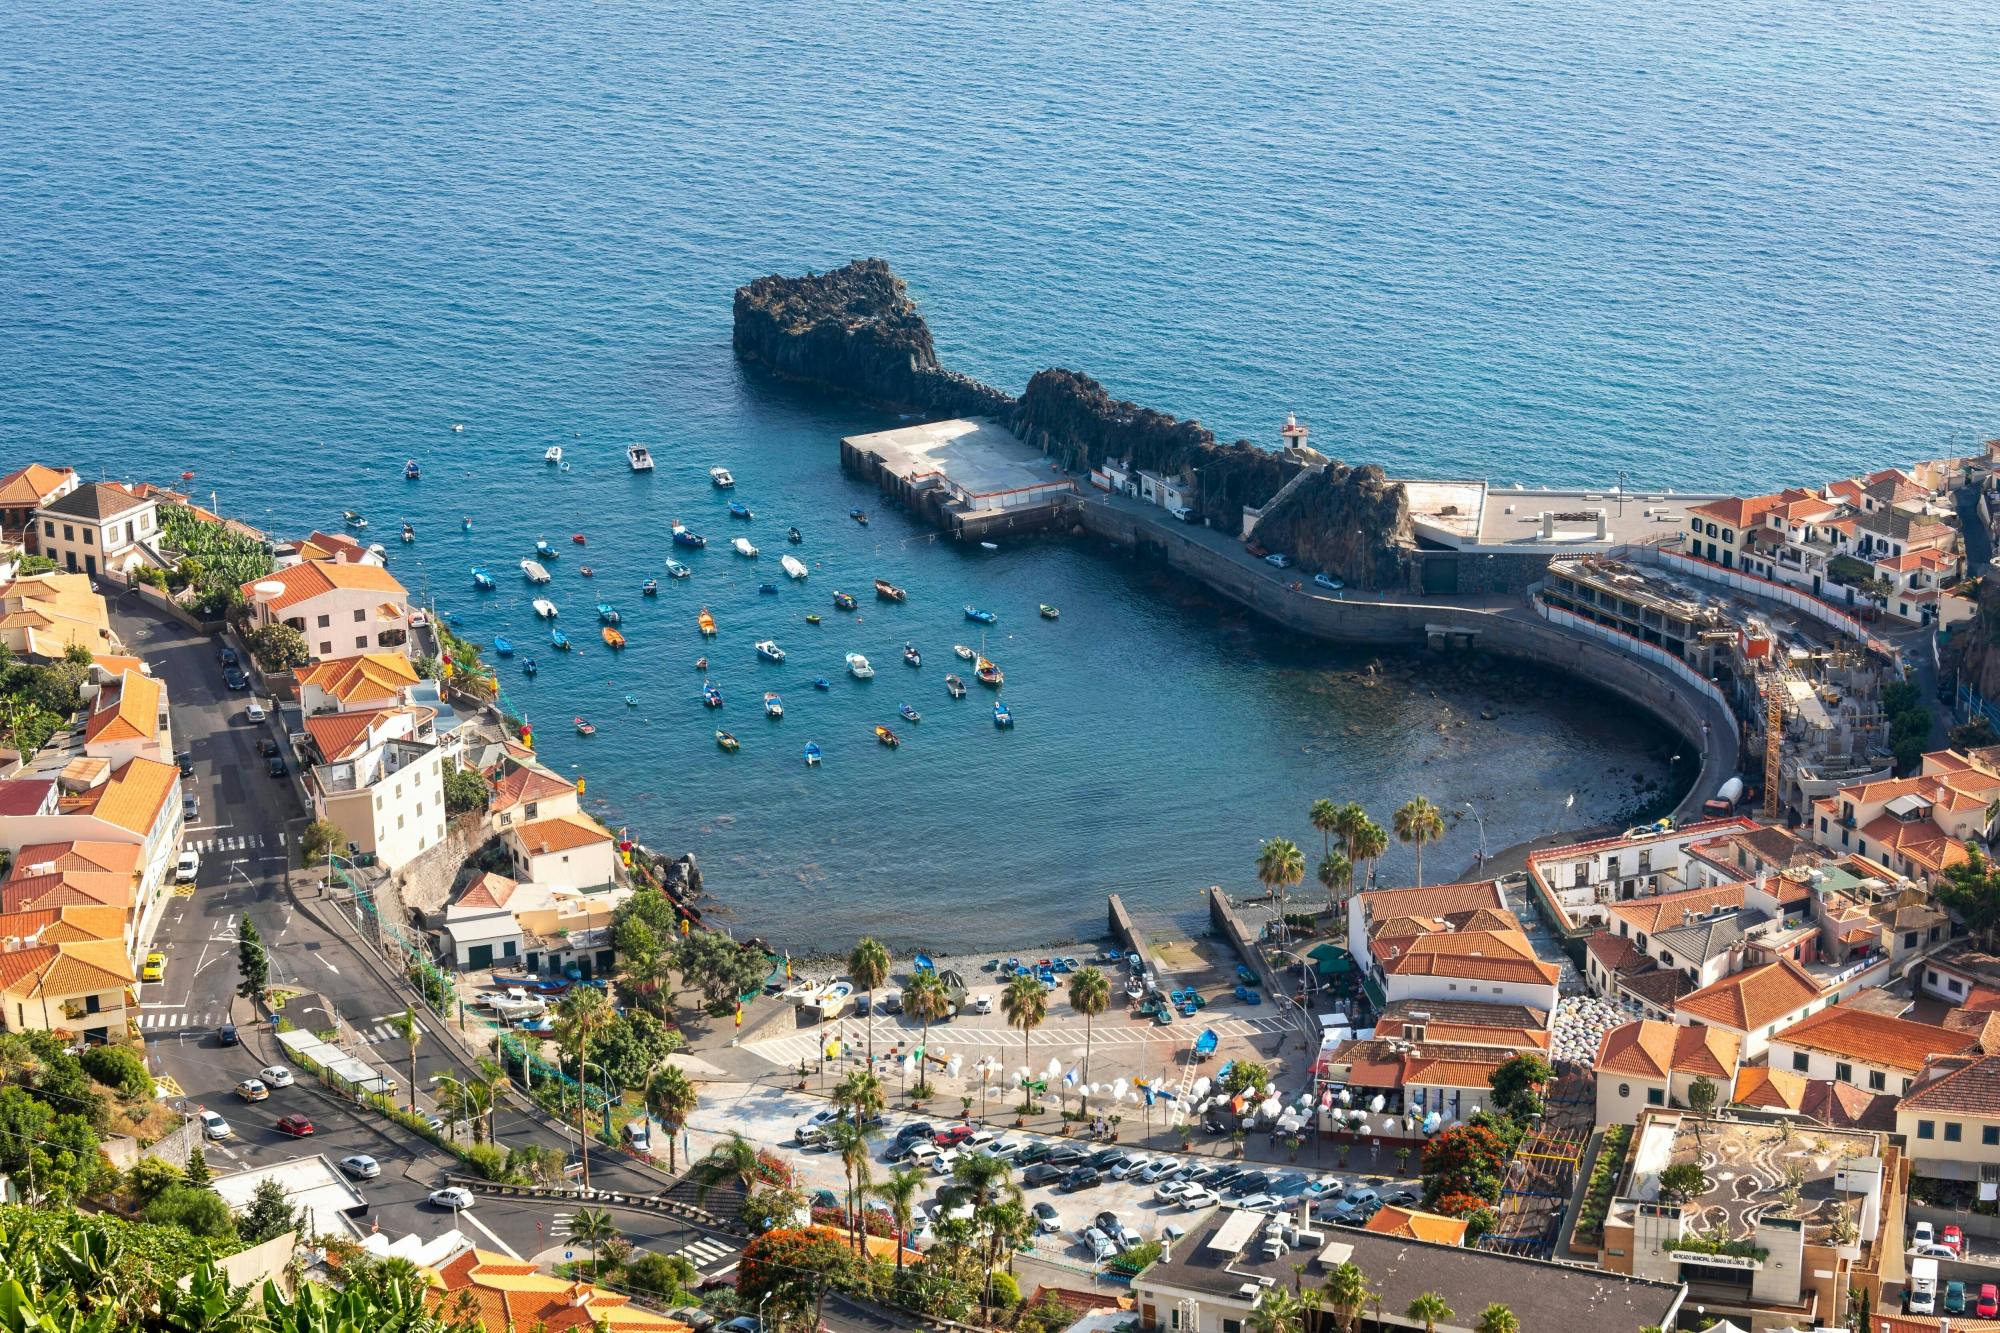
(855, 331)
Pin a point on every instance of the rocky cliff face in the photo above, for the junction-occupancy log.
(1972, 653)
(855, 331)
(1074, 420)
(1350, 521)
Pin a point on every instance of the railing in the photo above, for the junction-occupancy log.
(1640, 648)
(647, 1202)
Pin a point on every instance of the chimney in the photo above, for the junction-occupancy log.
(579, 1295)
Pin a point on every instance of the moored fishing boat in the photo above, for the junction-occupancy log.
(742, 547)
(503, 645)
(1049, 612)
(552, 454)
(711, 696)
(858, 666)
(908, 714)
(579, 539)
(612, 638)
(650, 588)
(774, 707)
(677, 570)
(954, 687)
(607, 613)
(719, 477)
(639, 458)
(544, 551)
(822, 683)
(559, 639)
(737, 509)
(353, 518)
(1001, 717)
(793, 566)
(583, 727)
(963, 653)
(858, 516)
(701, 664)
(545, 608)
(694, 541)
(812, 617)
(770, 651)
(812, 753)
(586, 571)
(411, 472)
(990, 675)
(889, 592)
(843, 601)
(726, 741)
(794, 536)
(481, 580)
(631, 701)
(535, 571)
(409, 533)
(982, 617)
(707, 623)
(887, 737)
(911, 657)
(768, 589)
(529, 668)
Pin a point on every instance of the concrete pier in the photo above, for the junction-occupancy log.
(970, 477)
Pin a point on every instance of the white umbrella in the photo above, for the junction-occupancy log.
(953, 1065)
(1118, 1090)
(1055, 1069)
(1200, 1088)
(1376, 1103)
(1269, 1108)
(1346, 1097)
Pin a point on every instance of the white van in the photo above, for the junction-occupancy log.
(1923, 1286)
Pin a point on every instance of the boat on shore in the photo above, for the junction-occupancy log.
(1001, 717)
(911, 657)
(812, 753)
(794, 536)
(481, 580)
(559, 639)
(726, 741)
(503, 645)
(887, 737)
(677, 570)
(770, 651)
(793, 566)
(612, 637)
(545, 608)
(833, 1001)
(859, 516)
(711, 696)
(774, 707)
(908, 714)
(889, 592)
(1049, 612)
(737, 509)
(535, 570)
(973, 613)
(706, 622)
(650, 588)
(694, 541)
(719, 478)
(954, 687)
(552, 454)
(639, 458)
(411, 472)
(858, 666)
(742, 547)
(963, 653)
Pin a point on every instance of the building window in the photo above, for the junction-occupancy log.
(1656, 1097)
(325, 621)
(360, 616)
(1843, 1071)
(1799, 1061)
(1877, 1081)
(69, 533)
(1930, 975)
(1624, 1090)
(90, 1004)
(89, 537)
(1989, 1136)
(1910, 939)
(1953, 1131)
(49, 530)
(326, 648)
(1926, 1129)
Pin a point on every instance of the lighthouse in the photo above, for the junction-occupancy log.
(1294, 433)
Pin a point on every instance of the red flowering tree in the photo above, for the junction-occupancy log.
(1470, 1159)
(790, 1269)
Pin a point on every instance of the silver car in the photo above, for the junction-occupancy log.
(361, 1166)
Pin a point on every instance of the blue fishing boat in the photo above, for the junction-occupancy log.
(770, 589)
(631, 702)
(650, 588)
(983, 617)
(711, 696)
(607, 613)
(737, 509)
(812, 753)
(559, 639)
(822, 683)
(503, 645)
(770, 651)
(528, 668)
(1001, 717)
(774, 707)
(481, 580)
(924, 963)
(544, 550)
(691, 540)
(411, 472)
(908, 713)
(859, 516)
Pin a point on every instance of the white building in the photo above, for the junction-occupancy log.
(100, 528)
(379, 777)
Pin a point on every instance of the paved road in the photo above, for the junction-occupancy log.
(249, 823)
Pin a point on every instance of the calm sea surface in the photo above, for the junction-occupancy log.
(285, 248)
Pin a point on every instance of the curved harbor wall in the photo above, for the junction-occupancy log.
(1512, 632)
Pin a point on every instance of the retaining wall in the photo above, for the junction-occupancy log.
(1126, 932)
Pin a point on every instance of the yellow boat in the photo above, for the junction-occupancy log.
(706, 621)
(612, 638)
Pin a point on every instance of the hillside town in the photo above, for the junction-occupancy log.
(308, 952)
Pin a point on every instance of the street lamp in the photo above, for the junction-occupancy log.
(1482, 830)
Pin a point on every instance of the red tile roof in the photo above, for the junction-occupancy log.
(1651, 1049)
(1754, 997)
(1873, 1039)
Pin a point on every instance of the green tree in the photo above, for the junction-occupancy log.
(1025, 1003)
(1682, 1182)
(1089, 995)
(667, 1276)
(320, 838)
(1345, 1292)
(465, 789)
(1325, 816)
(730, 1162)
(849, 1142)
(787, 1270)
(278, 647)
(1277, 1311)
(1367, 844)
(1701, 1096)
(1515, 1084)
(671, 1099)
(269, 1215)
(1497, 1318)
(1418, 822)
(1971, 889)
(1280, 865)
(252, 967)
(593, 1229)
(900, 1192)
(116, 1067)
(198, 1211)
(197, 1173)
(1336, 873)
(1427, 1309)
(1245, 1075)
(926, 1000)
(581, 1016)
(868, 968)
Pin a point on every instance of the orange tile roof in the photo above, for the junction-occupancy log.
(1652, 1049)
(338, 735)
(314, 578)
(121, 858)
(1964, 1083)
(28, 487)
(133, 798)
(1437, 900)
(69, 888)
(330, 545)
(133, 713)
(58, 925)
(1482, 955)
(1874, 1039)
(1753, 997)
(509, 1296)
(1651, 915)
(1923, 843)
(523, 783)
(1772, 1089)
(489, 890)
(61, 970)
(1415, 1225)
(561, 834)
(1737, 513)
(361, 678)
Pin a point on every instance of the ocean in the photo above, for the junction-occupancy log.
(1703, 244)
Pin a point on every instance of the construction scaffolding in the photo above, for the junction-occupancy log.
(1541, 1175)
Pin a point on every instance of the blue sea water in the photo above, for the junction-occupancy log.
(1709, 244)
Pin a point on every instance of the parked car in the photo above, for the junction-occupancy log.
(952, 1137)
(1107, 1222)
(1932, 1251)
(862, 1004)
(1172, 1190)
(1065, 1154)
(1953, 1238)
(982, 1003)
(1101, 1246)
(1925, 1234)
(453, 1197)
(235, 679)
(226, 1034)
(1046, 1218)
(1200, 1196)
(1289, 1186)
(1123, 1237)
(1328, 582)
(1031, 1153)
(946, 1162)
(916, 1129)
(700, 1320)
(1151, 1172)
(1128, 1166)
(190, 808)
(743, 1323)
(892, 1003)
(1041, 1173)
(276, 1076)
(275, 766)
(1250, 1182)
(1954, 1297)
(226, 656)
(1220, 1175)
(1105, 1158)
(1402, 1198)
(187, 867)
(186, 761)
(1260, 1203)
(1278, 558)
(1989, 1301)
(361, 1166)
(254, 712)
(214, 1126)
(155, 968)
(1080, 1178)
(295, 1125)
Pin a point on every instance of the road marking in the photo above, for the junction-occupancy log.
(465, 1215)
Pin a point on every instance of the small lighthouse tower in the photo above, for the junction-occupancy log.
(1294, 433)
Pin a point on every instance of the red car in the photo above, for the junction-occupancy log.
(1954, 1239)
(954, 1136)
(295, 1125)
(1989, 1300)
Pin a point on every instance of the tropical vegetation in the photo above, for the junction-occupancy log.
(215, 560)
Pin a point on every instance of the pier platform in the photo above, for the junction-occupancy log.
(970, 475)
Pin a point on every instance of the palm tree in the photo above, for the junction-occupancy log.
(1025, 1002)
(850, 1142)
(581, 1016)
(927, 1000)
(670, 1099)
(1003, 1224)
(1366, 844)
(1429, 1307)
(900, 1192)
(1346, 1294)
(1325, 816)
(1336, 872)
(412, 1032)
(1496, 1318)
(868, 967)
(1278, 1311)
(987, 1177)
(592, 1227)
(1419, 822)
(1089, 995)
(491, 1085)
(1280, 864)
(732, 1161)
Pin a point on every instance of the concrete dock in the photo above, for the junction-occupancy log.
(970, 476)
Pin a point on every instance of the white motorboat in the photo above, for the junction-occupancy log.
(533, 569)
(552, 454)
(545, 608)
(639, 457)
(742, 546)
(858, 665)
(793, 566)
(720, 476)
(803, 992)
(834, 999)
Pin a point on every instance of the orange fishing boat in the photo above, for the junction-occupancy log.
(706, 621)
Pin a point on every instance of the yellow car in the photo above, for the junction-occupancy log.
(155, 968)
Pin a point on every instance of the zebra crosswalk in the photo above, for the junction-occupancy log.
(704, 1252)
(235, 842)
(386, 1031)
(166, 1020)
